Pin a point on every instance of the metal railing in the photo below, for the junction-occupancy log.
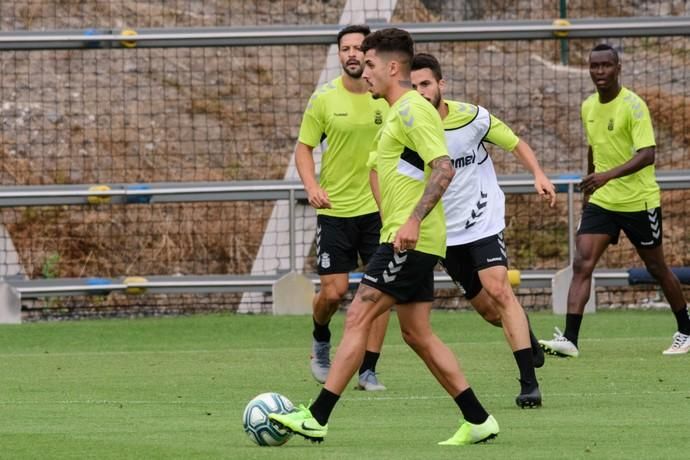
(325, 34)
(13, 289)
(170, 192)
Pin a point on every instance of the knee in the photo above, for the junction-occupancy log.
(413, 339)
(357, 318)
(501, 298)
(418, 341)
(333, 294)
(583, 266)
(657, 270)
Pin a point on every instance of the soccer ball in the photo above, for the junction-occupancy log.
(256, 423)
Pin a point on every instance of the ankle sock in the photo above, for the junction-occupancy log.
(323, 406)
(472, 410)
(321, 332)
(369, 362)
(572, 327)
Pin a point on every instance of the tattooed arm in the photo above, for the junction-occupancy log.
(442, 173)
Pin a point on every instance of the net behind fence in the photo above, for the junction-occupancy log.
(232, 113)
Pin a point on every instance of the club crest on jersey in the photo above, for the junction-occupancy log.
(611, 124)
(325, 260)
(378, 117)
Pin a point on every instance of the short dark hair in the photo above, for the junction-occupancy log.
(427, 61)
(391, 40)
(353, 29)
(607, 47)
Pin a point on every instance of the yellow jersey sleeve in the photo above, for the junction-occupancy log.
(371, 161)
(501, 135)
(312, 128)
(641, 128)
(426, 133)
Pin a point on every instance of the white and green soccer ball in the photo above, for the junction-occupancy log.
(256, 423)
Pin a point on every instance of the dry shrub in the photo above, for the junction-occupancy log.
(17, 170)
(671, 111)
(116, 240)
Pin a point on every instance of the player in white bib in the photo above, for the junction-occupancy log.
(474, 208)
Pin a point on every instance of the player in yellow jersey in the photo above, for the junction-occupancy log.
(413, 171)
(344, 119)
(474, 207)
(620, 193)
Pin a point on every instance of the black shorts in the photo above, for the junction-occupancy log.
(407, 276)
(643, 228)
(340, 239)
(463, 262)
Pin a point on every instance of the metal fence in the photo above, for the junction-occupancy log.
(225, 113)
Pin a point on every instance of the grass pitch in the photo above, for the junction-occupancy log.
(176, 388)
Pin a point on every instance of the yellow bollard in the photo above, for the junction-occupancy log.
(514, 277)
(562, 23)
(128, 43)
(98, 199)
(135, 290)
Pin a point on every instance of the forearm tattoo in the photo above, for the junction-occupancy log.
(442, 173)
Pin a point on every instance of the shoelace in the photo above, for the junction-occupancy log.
(678, 340)
(321, 355)
(371, 377)
(303, 408)
(558, 336)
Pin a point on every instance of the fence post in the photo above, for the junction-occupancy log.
(291, 230)
(564, 42)
(10, 304)
(571, 224)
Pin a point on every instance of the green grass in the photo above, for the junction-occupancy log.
(176, 388)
